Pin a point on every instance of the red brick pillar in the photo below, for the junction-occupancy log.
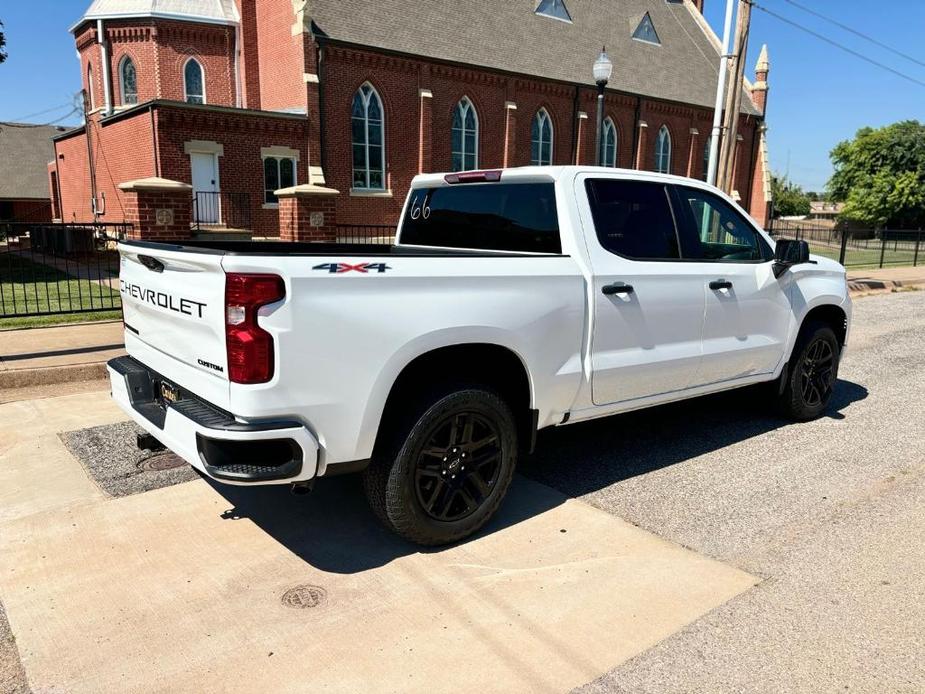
(157, 209)
(308, 213)
(426, 130)
(641, 145)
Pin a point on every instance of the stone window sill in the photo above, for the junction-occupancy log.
(368, 193)
(271, 205)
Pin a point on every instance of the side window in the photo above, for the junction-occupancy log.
(715, 231)
(633, 219)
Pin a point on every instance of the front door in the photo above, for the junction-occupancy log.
(747, 309)
(648, 306)
(205, 187)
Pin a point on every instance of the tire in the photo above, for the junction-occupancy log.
(447, 469)
(812, 373)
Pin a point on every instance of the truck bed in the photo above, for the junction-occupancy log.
(289, 248)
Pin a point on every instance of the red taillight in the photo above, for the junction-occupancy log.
(473, 177)
(250, 347)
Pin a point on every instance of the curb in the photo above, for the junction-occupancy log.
(863, 286)
(52, 375)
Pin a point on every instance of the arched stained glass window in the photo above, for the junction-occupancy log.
(367, 125)
(465, 144)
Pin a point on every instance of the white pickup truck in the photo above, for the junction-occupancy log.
(512, 300)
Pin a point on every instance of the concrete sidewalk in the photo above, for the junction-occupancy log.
(59, 356)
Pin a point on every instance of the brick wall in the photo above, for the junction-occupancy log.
(25, 210)
(280, 56)
(123, 150)
(242, 135)
(135, 41)
(212, 46)
(399, 82)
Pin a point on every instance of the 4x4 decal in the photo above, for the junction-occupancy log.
(365, 268)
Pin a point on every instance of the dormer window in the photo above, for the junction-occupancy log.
(554, 9)
(646, 33)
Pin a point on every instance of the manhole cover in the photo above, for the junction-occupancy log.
(303, 597)
(161, 461)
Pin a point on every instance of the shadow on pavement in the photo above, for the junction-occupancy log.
(333, 529)
(586, 457)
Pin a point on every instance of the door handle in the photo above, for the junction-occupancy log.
(720, 284)
(617, 288)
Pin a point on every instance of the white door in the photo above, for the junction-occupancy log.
(648, 306)
(205, 187)
(747, 309)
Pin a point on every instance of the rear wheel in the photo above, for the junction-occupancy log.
(447, 471)
(812, 373)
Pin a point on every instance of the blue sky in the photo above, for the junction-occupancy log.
(819, 95)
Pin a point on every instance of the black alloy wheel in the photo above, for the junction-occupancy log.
(445, 466)
(458, 467)
(817, 373)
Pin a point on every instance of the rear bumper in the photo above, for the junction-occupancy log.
(210, 439)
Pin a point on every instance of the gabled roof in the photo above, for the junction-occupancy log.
(510, 36)
(211, 11)
(25, 151)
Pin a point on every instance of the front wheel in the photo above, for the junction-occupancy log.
(444, 477)
(813, 371)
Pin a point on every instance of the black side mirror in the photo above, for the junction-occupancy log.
(789, 252)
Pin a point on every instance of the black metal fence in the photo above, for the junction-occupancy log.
(51, 269)
(858, 248)
(366, 233)
(221, 209)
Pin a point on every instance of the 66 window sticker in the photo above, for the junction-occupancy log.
(419, 208)
(344, 268)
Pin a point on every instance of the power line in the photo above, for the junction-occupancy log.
(851, 30)
(42, 113)
(832, 42)
(40, 125)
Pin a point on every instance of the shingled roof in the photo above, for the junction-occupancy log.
(214, 11)
(25, 151)
(510, 36)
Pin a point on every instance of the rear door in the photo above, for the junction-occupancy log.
(647, 305)
(173, 304)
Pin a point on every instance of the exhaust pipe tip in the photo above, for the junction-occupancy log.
(301, 488)
(147, 442)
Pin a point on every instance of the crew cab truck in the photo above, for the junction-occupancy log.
(511, 301)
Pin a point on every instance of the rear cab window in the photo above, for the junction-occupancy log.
(514, 217)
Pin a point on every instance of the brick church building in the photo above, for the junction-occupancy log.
(240, 98)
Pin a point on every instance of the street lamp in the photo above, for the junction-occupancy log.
(603, 69)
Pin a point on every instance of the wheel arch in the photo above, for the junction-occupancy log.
(478, 363)
(832, 315)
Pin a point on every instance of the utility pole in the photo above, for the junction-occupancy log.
(85, 99)
(720, 92)
(734, 97)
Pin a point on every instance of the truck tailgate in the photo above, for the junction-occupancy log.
(173, 307)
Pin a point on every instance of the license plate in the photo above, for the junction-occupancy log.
(168, 393)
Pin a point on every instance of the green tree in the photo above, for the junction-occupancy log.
(2, 44)
(789, 198)
(880, 176)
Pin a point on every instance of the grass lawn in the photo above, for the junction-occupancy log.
(27, 287)
(867, 259)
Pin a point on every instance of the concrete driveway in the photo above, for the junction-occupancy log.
(698, 547)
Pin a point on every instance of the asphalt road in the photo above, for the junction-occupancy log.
(830, 513)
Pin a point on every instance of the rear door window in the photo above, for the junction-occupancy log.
(633, 219)
(520, 217)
